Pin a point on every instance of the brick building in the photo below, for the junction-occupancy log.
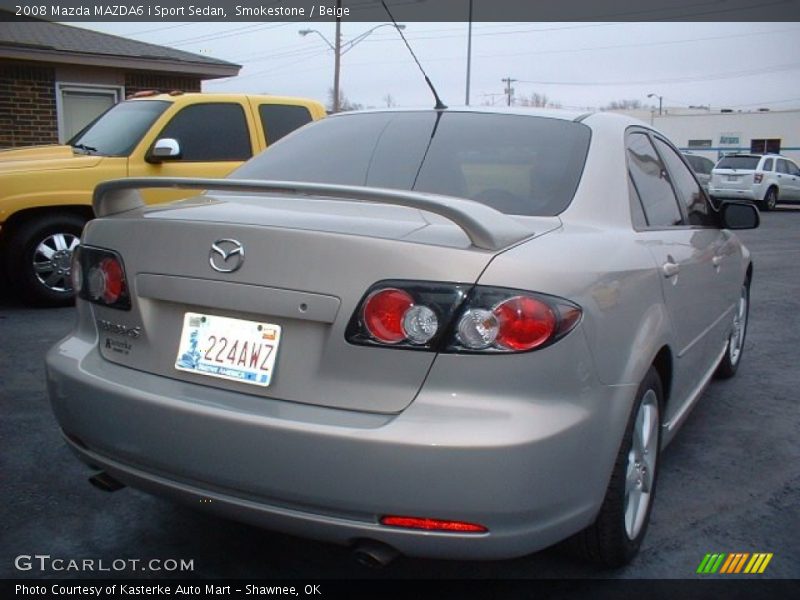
(55, 78)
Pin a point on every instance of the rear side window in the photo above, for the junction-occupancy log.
(767, 165)
(281, 119)
(739, 162)
(517, 164)
(793, 169)
(650, 180)
(686, 186)
(211, 132)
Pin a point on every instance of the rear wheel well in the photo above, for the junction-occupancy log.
(663, 365)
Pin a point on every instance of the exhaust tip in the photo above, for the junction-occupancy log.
(103, 481)
(373, 554)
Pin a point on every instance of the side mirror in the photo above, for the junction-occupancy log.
(739, 215)
(164, 149)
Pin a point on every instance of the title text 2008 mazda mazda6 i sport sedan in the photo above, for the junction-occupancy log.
(451, 333)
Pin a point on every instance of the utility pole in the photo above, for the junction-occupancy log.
(509, 90)
(337, 60)
(469, 51)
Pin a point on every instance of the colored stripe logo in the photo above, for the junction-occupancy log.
(737, 562)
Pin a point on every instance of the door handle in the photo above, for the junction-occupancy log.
(670, 269)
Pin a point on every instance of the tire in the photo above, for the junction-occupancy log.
(617, 533)
(733, 351)
(39, 254)
(770, 199)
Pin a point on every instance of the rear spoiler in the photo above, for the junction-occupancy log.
(487, 228)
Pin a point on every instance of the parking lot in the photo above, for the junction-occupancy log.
(730, 482)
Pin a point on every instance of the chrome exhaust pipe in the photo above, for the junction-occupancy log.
(374, 554)
(104, 481)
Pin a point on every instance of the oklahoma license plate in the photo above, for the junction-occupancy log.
(226, 348)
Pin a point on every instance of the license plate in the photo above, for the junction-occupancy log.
(226, 348)
(733, 177)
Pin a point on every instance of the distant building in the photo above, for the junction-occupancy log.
(55, 79)
(716, 133)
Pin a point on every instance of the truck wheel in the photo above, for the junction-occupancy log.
(40, 258)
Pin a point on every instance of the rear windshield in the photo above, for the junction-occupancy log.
(699, 164)
(516, 164)
(739, 162)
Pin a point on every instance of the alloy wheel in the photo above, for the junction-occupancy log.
(641, 466)
(52, 261)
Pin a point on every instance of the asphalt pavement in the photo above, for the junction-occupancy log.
(730, 482)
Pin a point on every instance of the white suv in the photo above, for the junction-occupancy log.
(765, 179)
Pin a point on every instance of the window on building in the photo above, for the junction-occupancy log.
(765, 146)
(223, 136)
(79, 105)
(280, 119)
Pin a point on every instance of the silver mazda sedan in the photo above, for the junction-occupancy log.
(456, 333)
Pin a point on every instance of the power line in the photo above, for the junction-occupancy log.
(728, 75)
(246, 30)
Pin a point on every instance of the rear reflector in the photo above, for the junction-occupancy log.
(433, 524)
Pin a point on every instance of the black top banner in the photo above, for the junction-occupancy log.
(403, 10)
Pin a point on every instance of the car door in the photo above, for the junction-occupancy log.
(686, 251)
(214, 138)
(794, 178)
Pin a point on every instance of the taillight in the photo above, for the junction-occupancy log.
(447, 317)
(524, 323)
(99, 277)
(384, 312)
(758, 177)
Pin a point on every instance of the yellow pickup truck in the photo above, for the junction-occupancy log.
(46, 191)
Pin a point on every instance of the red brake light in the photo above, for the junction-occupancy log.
(99, 277)
(524, 323)
(114, 280)
(433, 524)
(383, 314)
(757, 177)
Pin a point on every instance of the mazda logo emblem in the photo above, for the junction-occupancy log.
(226, 256)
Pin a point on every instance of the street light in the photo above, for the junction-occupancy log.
(660, 99)
(340, 48)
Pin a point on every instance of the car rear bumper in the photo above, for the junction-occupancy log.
(722, 192)
(533, 471)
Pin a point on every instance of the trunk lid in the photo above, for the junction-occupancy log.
(737, 179)
(308, 263)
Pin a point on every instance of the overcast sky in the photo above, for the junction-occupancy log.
(723, 65)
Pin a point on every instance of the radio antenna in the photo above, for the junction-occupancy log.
(439, 104)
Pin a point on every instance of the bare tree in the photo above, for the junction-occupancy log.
(623, 105)
(537, 100)
(344, 102)
(389, 101)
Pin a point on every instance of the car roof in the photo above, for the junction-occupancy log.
(554, 113)
(601, 119)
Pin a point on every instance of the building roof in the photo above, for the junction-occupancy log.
(43, 41)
